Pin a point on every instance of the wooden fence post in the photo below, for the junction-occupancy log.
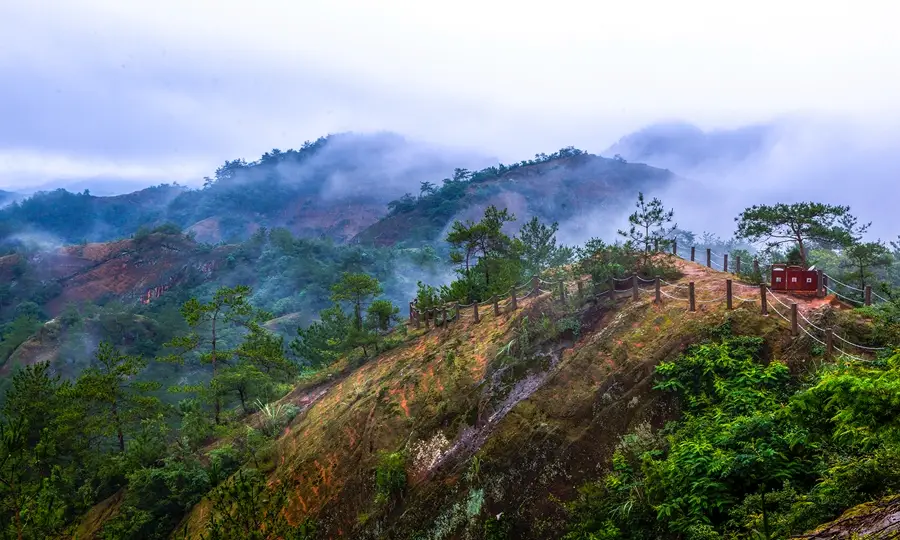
(728, 297)
(868, 295)
(513, 302)
(562, 292)
(455, 311)
(656, 245)
(426, 313)
(612, 289)
(658, 294)
(825, 281)
(417, 319)
(693, 253)
(496, 305)
(674, 247)
(634, 287)
(737, 265)
(762, 298)
(691, 296)
(829, 343)
(820, 278)
(725, 264)
(444, 315)
(756, 266)
(535, 285)
(475, 312)
(795, 327)
(708, 258)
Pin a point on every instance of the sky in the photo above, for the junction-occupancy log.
(167, 90)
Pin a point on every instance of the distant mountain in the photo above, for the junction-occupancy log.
(571, 186)
(371, 189)
(103, 186)
(7, 197)
(681, 146)
(333, 187)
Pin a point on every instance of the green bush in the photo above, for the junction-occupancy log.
(755, 453)
(156, 500)
(390, 475)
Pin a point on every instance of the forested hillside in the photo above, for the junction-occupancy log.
(332, 187)
(567, 185)
(538, 391)
(338, 187)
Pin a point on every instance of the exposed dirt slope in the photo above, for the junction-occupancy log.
(487, 435)
(124, 269)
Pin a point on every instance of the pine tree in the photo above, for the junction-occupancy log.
(229, 307)
(649, 225)
(799, 224)
(117, 401)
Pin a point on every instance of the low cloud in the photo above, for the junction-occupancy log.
(378, 166)
(30, 170)
(830, 160)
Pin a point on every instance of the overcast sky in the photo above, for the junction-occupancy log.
(167, 90)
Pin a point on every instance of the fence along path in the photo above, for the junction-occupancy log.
(708, 285)
(848, 293)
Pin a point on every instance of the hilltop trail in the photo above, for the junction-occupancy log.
(709, 284)
(484, 431)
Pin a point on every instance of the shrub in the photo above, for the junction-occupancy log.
(390, 475)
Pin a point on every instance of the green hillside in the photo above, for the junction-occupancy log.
(282, 386)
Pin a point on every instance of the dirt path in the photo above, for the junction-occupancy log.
(709, 284)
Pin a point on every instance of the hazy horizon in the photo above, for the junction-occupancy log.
(113, 95)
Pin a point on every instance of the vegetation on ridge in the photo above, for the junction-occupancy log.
(763, 439)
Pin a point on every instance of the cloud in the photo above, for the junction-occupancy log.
(29, 169)
(834, 160)
(205, 82)
(377, 166)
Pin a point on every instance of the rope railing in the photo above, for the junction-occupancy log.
(720, 262)
(823, 330)
(639, 287)
(844, 284)
(713, 301)
(664, 293)
(839, 295)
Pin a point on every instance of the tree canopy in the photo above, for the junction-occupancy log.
(649, 224)
(799, 224)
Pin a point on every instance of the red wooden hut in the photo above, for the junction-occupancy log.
(794, 278)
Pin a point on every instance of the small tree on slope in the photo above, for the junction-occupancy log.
(649, 224)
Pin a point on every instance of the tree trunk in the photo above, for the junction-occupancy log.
(862, 277)
(243, 401)
(19, 535)
(802, 252)
(118, 423)
(647, 238)
(214, 366)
